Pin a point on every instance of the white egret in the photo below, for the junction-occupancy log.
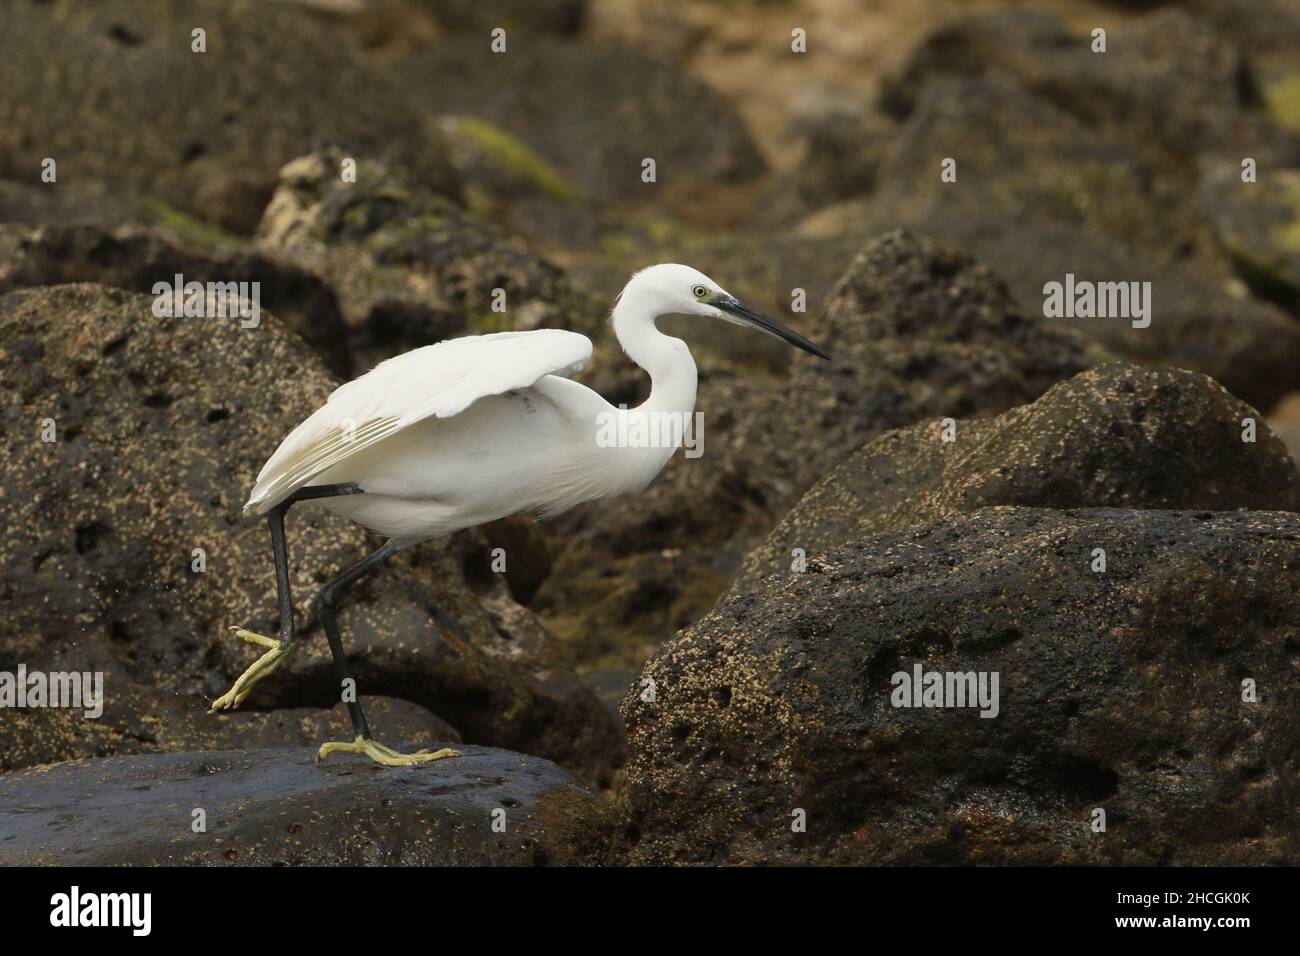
(457, 434)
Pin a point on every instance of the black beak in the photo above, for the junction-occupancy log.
(747, 316)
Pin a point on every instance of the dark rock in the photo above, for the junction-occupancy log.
(135, 258)
(564, 17)
(1059, 197)
(842, 158)
(276, 807)
(1118, 436)
(162, 425)
(409, 268)
(611, 684)
(235, 202)
(593, 112)
(527, 550)
(917, 330)
(1120, 691)
(1199, 322)
(113, 92)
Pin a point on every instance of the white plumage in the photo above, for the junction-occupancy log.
(437, 381)
(469, 430)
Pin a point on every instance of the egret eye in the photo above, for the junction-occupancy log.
(700, 292)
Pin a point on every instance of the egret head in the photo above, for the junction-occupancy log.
(676, 289)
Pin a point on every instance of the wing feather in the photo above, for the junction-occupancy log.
(436, 381)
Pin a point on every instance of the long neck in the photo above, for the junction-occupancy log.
(668, 361)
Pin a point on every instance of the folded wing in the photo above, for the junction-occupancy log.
(437, 381)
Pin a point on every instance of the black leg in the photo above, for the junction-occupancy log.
(277, 651)
(327, 601)
(275, 518)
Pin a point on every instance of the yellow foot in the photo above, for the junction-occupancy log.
(383, 755)
(264, 665)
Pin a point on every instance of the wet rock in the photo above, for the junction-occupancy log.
(161, 426)
(409, 267)
(277, 807)
(186, 127)
(594, 113)
(917, 330)
(1118, 436)
(140, 719)
(1120, 691)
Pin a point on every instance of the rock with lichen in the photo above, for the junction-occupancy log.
(1158, 688)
